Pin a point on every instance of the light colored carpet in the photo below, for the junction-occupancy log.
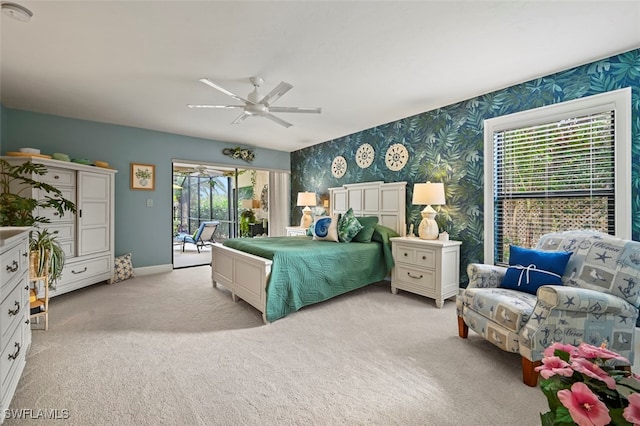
(171, 349)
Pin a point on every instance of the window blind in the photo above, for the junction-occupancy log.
(553, 176)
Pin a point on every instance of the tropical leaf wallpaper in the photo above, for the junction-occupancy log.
(446, 145)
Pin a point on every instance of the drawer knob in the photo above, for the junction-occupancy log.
(16, 310)
(406, 254)
(79, 272)
(414, 276)
(424, 257)
(13, 267)
(56, 177)
(16, 353)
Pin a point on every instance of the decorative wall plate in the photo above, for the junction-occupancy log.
(397, 156)
(364, 155)
(338, 166)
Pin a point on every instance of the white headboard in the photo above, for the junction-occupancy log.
(385, 200)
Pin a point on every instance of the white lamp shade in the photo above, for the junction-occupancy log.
(428, 194)
(306, 199)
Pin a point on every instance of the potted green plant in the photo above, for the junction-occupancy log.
(247, 217)
(18, 208)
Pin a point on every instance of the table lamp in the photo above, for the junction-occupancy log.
(306, 199)
(429, 194)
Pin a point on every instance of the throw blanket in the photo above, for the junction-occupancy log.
(307, 271)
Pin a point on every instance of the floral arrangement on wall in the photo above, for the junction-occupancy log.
(241, 153)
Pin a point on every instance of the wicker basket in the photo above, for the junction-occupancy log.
(34, 264)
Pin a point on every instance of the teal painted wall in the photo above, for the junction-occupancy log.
(446, 145)
(144, 231)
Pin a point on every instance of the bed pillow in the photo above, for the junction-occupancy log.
(325, 228)
(348, 226)
(530, 269)
(382, 234)
(123, 269)
(368, 226)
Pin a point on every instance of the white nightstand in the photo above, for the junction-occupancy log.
(296, 231)
(430, 268)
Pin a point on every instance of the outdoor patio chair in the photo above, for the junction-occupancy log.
(202, 237)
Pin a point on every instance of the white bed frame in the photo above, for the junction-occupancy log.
(246, 275)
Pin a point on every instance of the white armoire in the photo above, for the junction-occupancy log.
(87, 237)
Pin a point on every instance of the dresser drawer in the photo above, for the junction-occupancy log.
(59, 177)
(52, 214)
(12, 356)
(66, 231)
(12, 264)
(421, 278)
(12, 310)
(425, 257)
(83, 269)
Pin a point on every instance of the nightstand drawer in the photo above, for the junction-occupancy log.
(416, 256)
(417, 277)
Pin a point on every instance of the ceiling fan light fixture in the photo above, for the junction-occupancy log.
(17, 12)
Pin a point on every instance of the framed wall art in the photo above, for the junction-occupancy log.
(143, 176)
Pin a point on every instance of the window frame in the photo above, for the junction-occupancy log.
(617, 100)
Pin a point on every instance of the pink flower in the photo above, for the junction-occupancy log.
(594, 371)
(632, 412)
(588, 351)
(553, 365)
(584, 406)
(551, 350)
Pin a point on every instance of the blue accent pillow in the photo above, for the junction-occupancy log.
(325, 228)
(530, 269)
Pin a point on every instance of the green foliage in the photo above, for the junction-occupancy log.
(50, 256)
(247, 217)
(19, 209)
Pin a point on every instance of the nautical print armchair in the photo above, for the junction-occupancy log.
(598, 301)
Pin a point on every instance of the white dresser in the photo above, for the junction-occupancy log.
(426, 267)
(15, 337)
(86, 237)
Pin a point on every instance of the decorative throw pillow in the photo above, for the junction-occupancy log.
(530, 269)
(382, 234)
(123, 269)
(368, 226)
(326, 228)
(348, 226)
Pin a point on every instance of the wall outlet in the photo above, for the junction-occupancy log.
(149, 202)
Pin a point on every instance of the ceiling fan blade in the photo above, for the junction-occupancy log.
(277, 120)
(240, 118)
(215, 106)
(296, 109)
(276, 93)
(225, 91)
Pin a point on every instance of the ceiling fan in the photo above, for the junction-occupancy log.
(202, 171)
(257, 105)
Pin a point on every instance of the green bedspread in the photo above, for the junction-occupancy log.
(307, 271)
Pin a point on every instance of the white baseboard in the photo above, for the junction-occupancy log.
(156, 269)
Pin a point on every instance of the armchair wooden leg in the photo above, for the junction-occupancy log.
(463, 329)
(529, 374)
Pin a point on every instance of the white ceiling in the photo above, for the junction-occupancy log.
(365, 63)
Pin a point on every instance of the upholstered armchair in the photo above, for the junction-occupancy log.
(597, 300)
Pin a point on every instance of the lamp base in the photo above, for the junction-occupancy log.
(428, 228)
(307, 219)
